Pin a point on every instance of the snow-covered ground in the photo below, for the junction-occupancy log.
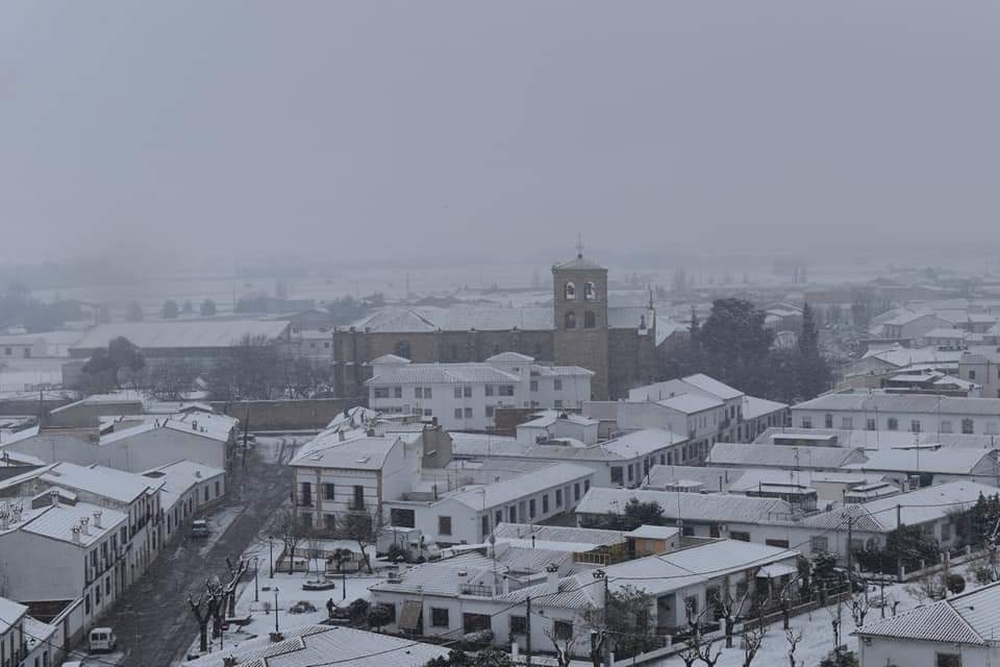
(286, 590)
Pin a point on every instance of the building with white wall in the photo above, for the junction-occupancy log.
(887, 412)
(556, 425)
(982, 366)
(957, 632)
(187, 489)
(463, 397)
(468, 515)
(13, 642)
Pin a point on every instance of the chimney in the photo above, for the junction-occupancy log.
(599, 589)
(552, 579)
(76, 534)
(506, 584)
(85, 525)
(97, 519)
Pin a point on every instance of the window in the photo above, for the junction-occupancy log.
(616, 476)
(847, 423)
(783, 544)
(589, 320)
(828, 421)
(490, 410)
(380, 392)
(427, 392)
(518, 625)
(444, 525)
(893, 424)
(570, 320)
(475, 622)
(589, 291)
(458, 392)
(807, 422)
(631, 473)
(505, 390)
(586, 485)
(403, 349)
(948, 660)
(307, 521)
(489, 390)
(467, 392)
(512, 514)
(558, 497)
(86, 604)
(545, 503)
(557, 384)
(558, 403)
(968, 426)
(402, 518)
(570, 291)
(427, 412)
(498, 518)
(328, 491)
(915, 426)
(576, 487)
(330, 522)
(458, 413)
(946, 427)
(439, 617)
(739, 535)
(216, 489)
(531, 508)
(819, 543)
(468, 413)
(562, 630)
(418, 392)
(359, 498)
(533, 386)
(945, 532)
(484, 524)
(972, 374)
(305, 497)
(870, 424)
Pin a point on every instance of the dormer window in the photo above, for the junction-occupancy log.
(570, 291)
(589, 291)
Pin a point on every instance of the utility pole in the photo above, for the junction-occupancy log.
(270, 544)
(527, 630)
(276, 630)
(850, 534)
(256, 586)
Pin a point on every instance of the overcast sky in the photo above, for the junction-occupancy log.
(389, 128)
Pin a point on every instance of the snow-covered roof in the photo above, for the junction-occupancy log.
(640, 443)
(359, 453)
(654, 532)
(201, 424)
(389, 359)
(474, 373)
(485, 444)
(712, 386)
(754, 407)
(547, 418)
(579, 263)
(888, 403)
(10, 613)
(510, 357)
(690, 404)
(58, 522)
(872, 440)
(956, 334)
(943, 461)
(569, 534)
(318, 644)
(969, 618)
(185, 334)
(118, 485)
(520, 486)
(781, 456)
(689, 506)
(179, 477)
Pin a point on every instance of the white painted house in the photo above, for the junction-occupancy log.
(188, 488)
(961, 631)
(13, 642)
(887, 412)
(463, 397)
(468, 515)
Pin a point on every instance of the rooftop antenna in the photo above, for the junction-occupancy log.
(579, 246)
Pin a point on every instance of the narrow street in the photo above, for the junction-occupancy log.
(153, 620)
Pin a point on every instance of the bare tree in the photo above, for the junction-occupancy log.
(202, 616)
(701, 648)
(793, 639)
(362, 527)
(235, 576)
(752, 641)
(564, 646)
(730, 608)
(860, 606)
(291, 536)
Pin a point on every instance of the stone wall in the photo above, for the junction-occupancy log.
(305, 414)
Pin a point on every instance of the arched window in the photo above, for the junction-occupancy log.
(589, 319)
(570, 320)
(403, 349)
(570, 291)
(589, 291)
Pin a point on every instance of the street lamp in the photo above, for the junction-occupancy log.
(256, 587)
(270, 544)
(276, 630)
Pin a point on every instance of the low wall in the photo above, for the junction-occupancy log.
(311, 413)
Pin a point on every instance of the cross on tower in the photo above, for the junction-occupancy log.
(579, 246)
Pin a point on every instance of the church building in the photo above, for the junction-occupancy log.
(618, 343)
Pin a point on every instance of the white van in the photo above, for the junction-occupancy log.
(102, 640)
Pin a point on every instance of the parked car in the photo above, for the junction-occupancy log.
(199, 528)
(102, 640)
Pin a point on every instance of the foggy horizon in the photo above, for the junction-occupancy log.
(202, 130)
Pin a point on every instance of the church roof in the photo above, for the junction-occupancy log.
(580, 263)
